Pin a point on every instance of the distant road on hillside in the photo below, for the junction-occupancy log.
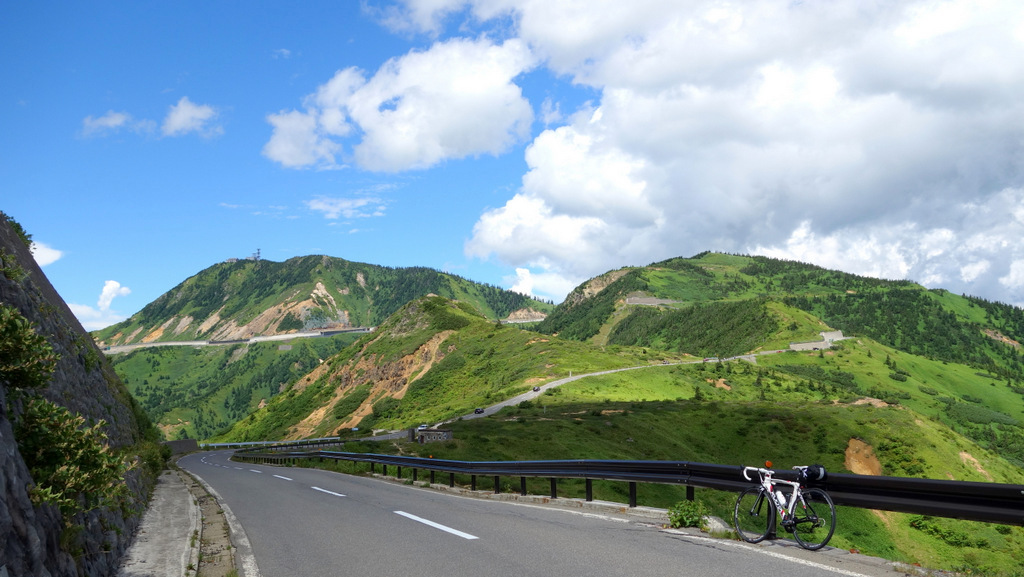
(113, 350)
(533, 394)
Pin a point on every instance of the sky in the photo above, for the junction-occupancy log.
(526, 144)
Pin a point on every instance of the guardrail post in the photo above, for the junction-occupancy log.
(451, 479)
(384, 469)
(689, 492)
(554, 488)
(414, 474)
(632, 493)
(371, 466)
(431, 477)
(399, 471)
(522, 486)
(472, 482)
(590, 490)
(497, 485)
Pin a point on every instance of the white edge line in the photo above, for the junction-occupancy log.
(763, 551)
(285, 478)
(436, 525)
(255, 471)
(326, 491)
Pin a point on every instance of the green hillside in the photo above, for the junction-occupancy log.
(791, 408)
(195, 392)
(926, 384)
(453, 361)
(239, 300)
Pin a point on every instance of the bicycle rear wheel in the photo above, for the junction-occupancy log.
(815, 521)
(753, 515)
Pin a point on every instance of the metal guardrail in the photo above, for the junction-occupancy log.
(973, 501)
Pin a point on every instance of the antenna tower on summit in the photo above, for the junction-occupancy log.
(256, 255)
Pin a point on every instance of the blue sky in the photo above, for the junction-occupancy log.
(529, 144)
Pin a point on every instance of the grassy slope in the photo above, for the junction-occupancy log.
(193, 392)
(483, 363)
(653, 414)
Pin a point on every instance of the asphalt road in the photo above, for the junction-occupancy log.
(309, 522)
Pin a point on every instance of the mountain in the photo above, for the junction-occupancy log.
(433, 359)
(924, 383)
(247, 298)
(720, 305)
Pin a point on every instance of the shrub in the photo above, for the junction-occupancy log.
(26, 359)
(689, 514)
(72, 465)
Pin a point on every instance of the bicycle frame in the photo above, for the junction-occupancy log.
(768, 482)
(812, 529)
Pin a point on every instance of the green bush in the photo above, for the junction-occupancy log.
(689, 514)
(72, 465)
(26, 358)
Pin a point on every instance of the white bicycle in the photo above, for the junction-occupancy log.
(808, 513)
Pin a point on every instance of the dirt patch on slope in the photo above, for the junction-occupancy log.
(720, 384)
(969, 459)
(996, 335)
(389, 380)
(861, 459)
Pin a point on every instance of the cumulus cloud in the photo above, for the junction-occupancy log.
(186, 116)
(101, 316)
(884, 139)
(538, 285)
(45, 254)
(454, 100)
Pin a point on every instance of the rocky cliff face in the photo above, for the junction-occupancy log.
(34, 539)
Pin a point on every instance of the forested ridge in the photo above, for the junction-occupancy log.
(720, 329)
(910, 320)
(342, 292)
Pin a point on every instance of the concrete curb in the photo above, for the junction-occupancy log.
(190, 558)
(245, 561)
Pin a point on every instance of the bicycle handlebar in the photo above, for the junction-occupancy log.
(758, 469)
(769, 472)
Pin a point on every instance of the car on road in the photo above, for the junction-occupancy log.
(478, 411)
(535, 389)
(421, 427)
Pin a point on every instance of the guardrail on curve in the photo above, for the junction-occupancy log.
(969, 500)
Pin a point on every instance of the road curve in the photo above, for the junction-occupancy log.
(311, 522)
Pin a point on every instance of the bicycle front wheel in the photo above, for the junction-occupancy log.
(753, 515)
(815, 520)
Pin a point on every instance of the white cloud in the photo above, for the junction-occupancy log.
(113, 122)
(543, 285)
(882, 139)
(186, 116)
(295, 142)
(454, 100)
(45, 254)
(1014, 279)
(334, 208)
(101, 316)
